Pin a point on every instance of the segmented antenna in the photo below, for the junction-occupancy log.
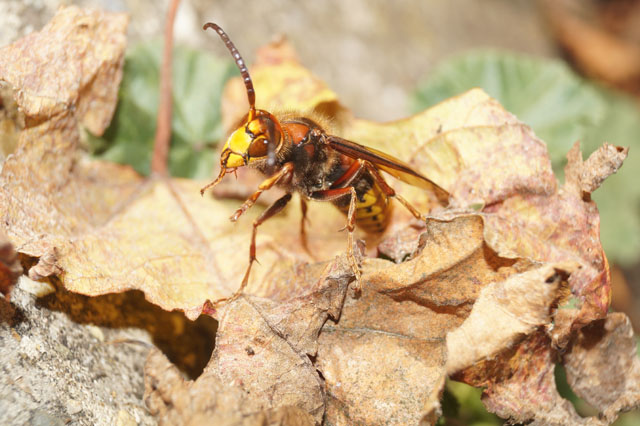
(251, 94)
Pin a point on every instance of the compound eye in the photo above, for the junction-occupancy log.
(259, 148)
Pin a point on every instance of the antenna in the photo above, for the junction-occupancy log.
(251, 94)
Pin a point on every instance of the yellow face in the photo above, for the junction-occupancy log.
(253, 141)
(238, 145)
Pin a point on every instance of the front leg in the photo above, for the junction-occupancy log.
(272, 210)
(280, 176)
(332, 195)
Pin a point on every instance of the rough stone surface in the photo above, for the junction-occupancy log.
(55, 371)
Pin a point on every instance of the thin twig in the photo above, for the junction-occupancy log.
(160, 159)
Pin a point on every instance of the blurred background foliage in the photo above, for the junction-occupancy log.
(568, 68)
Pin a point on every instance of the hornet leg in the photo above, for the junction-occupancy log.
(267, 184)
(272, 210)
(332, 195)
(391, 193)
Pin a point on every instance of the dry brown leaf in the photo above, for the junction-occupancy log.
(262, 356)
(563, 227)
(504, 312)
(384, 354)
(263, 345)
(521, 385)
(560, 227)
(44, 66)
(603, 367)
(207, 401)
(47, 191)
(587, 176)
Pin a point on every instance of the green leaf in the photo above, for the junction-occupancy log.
(544, 94)
(198, 80)
(562, 108)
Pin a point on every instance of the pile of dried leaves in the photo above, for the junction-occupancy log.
(494, 290)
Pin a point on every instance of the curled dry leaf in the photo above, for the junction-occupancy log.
(384, 354)
(44, 67)
(603, 367)
(564, 226)
(561, 227)
(588, 176)
(385, 357)
(504, 312)
(521, 385)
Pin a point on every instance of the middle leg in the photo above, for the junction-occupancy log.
(303, 220)
(335, 194)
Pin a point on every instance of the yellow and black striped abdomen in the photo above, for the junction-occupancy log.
(373, 210)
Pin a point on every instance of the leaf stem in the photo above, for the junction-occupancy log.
(159, 161)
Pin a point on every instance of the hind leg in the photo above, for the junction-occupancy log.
(390, 192)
